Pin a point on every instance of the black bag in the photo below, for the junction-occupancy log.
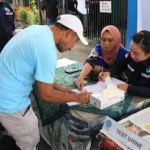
(8, 143)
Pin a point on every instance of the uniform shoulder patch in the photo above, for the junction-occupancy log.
(148, 69)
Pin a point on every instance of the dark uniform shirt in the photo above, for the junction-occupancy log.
(6, 23)
(71, 5)
(137, 75)
(51, 8)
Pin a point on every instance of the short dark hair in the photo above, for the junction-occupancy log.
(142, 38)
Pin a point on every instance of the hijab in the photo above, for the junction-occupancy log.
(111, 56)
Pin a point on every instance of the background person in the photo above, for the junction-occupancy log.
(72, 9)
(135, 65)
(108, 52)
(31, 55)
(7, 26)
(52, 9)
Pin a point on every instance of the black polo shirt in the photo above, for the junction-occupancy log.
(71, 5)
(51, 8)
(136, 74)
(6, 22)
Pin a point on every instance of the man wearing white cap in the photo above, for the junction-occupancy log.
(31, 55)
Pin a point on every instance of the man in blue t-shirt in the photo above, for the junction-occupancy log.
(31, 55)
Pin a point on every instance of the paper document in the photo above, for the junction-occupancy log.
(95, 88)
(64, 62)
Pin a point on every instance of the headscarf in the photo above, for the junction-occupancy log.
(111, 56)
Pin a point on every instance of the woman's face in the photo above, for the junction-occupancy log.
(137, 54)
(107, 41)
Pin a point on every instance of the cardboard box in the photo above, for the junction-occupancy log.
(98, 102)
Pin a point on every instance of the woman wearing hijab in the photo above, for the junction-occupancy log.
(107, 53)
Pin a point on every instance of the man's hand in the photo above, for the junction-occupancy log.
(59, 94)
(60, 12)
(84, 97)
(123, 87)
(66, 90)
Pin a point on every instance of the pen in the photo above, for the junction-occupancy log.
(75, 76)
(102, 71)
(84, 91)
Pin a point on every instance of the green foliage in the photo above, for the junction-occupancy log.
(11, 5)
(34, 13)
(23, 14)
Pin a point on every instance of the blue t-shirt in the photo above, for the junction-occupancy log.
(30, 55)
(100, 62)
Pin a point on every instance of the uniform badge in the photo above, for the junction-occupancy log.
(7, 9)
(148, 70)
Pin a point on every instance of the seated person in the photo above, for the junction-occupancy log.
(136, 66)
(108, 52)
(72, 9)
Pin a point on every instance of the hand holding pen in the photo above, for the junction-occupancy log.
(84, 96)
(102, 75)
(84, 91)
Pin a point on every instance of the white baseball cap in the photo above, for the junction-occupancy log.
(72, 22)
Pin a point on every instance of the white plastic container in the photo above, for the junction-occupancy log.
(108, 96)
(99, 102)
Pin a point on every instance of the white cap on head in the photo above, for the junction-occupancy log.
(72, 22)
